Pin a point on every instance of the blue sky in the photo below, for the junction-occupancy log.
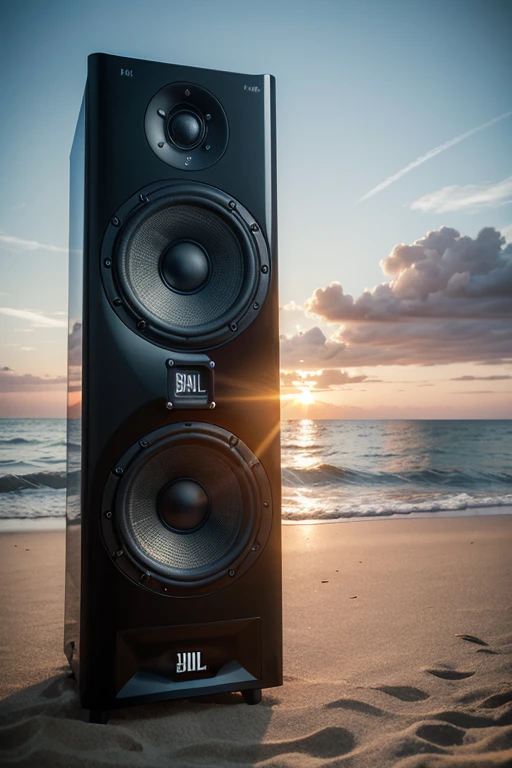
(364, 88)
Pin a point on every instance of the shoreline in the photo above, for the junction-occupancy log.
(58, 523)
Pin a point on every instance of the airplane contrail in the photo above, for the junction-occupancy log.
(29, 245)
(431, 153)
(36, 318)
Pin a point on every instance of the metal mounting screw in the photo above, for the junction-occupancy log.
(207, 116)
(141, 325)
(265, 504)
(161, 144)
(168, 405)
(212, 405)
(233, 440)
(187, 92)
(119, 471)
(143, 198)
(143, 443)
(118, 552)
(264, 269)
(117, 302)
(207, 147)
(232, 205)
(233, 326)
(255, 305)
(115, 221)
(160, 113)
(211, 364)
(170, 363)
(107, 263)
(255, 547)
(254, 228)
(108, 514)
(231, 572)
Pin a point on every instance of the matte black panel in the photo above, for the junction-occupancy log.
(121, 391)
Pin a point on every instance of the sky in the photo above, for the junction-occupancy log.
(394, 121)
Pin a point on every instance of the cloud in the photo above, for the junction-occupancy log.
(506, 232)
(38, 320)
(428, 342)
(291, 306)
(75, 345)
(439, 275)
(429, 155)
(448, 299)
(10, 381)
(481, 378)
(476, 392)
(17, 244)
(471, 196)
(310, 348)
(319, 381)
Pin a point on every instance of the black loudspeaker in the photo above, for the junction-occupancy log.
(173, 536)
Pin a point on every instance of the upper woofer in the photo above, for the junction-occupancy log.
(185, 265)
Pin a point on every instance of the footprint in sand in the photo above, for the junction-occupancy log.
(356, 706)
(442, 734)
(497, 700)
(465, 719)
(403, 692)
(471, 639)
(449, 674)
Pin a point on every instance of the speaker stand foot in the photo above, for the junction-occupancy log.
(252, 696)
(99, 716)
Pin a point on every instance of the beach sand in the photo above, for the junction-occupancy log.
(377, 670)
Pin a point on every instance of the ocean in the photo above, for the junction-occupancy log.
(332, 470)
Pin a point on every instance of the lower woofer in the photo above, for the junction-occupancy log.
(183, 505)
(191, 509)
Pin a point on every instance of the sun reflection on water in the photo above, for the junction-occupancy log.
(306, 455)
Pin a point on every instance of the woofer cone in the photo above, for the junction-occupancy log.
(189, 507)
(190, 262)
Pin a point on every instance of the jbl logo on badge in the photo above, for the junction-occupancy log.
(190, 662)
(188, 384)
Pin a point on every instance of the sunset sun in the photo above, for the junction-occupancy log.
(306, 397)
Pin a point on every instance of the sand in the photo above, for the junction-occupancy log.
(377, 669)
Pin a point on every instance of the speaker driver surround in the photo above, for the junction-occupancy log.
(186, 265)
(191, 511)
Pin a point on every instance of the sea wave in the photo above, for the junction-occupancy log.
(300, 510)
(18, 441)
(327, 474)
(33, 480)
